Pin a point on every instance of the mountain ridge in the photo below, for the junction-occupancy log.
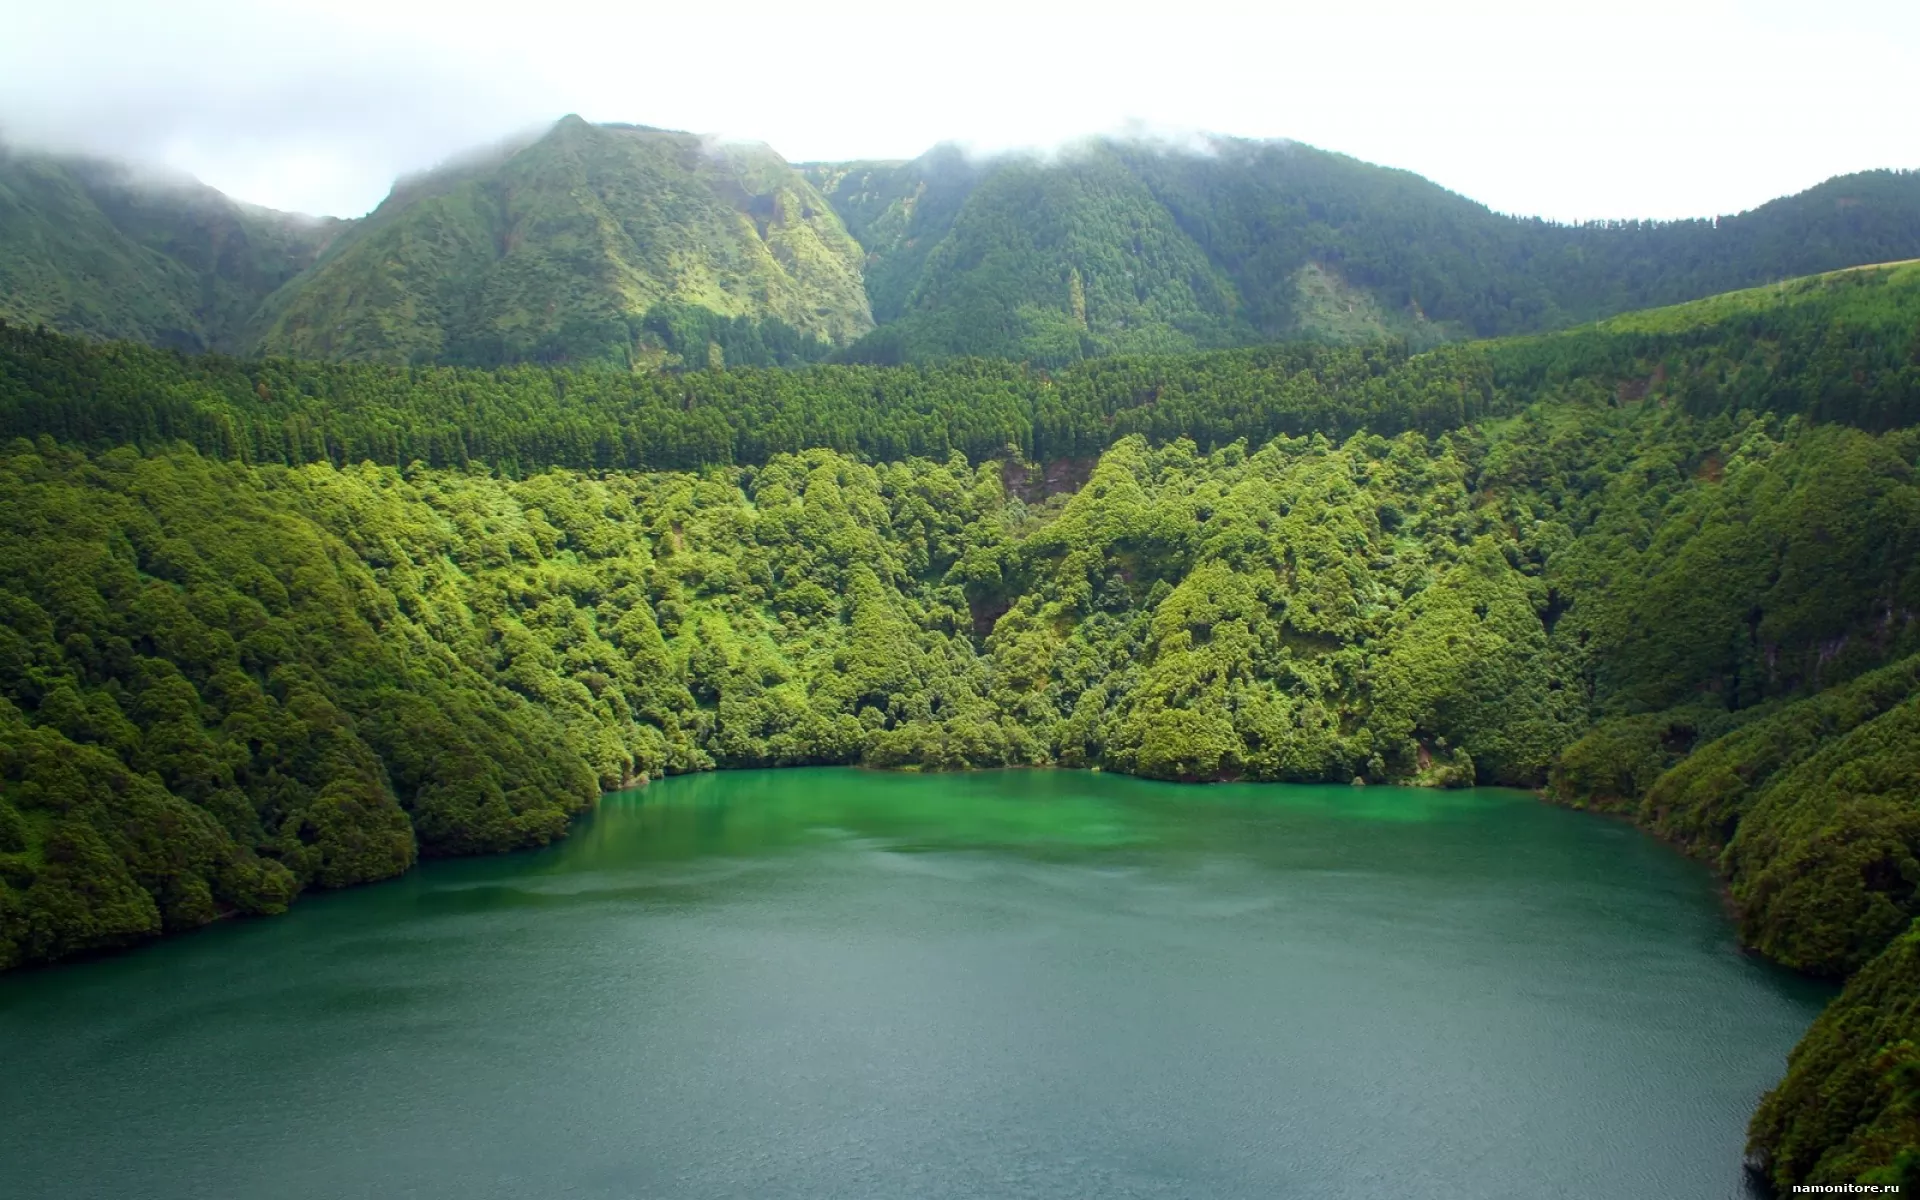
(548, 250)
(638, 247)
(1264, 219)
(95, 247)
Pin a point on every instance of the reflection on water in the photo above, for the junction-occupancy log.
(853, 984)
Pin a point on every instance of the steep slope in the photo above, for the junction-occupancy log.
(1056, 264)
(1117, 245)
(92, 248)
(559, 249)
(640, 247)
(898, 212)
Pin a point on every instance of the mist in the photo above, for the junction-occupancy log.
(1641, 109)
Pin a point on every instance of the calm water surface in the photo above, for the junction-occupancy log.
(838, 984)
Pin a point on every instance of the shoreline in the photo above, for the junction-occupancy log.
(645, 782)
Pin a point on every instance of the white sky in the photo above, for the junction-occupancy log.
(1609, 108)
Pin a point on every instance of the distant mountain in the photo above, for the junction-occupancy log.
(1118, 246)
(638, 247)
(558, 249)
(91, 247)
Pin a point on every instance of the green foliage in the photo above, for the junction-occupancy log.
(1849, 1108)
(1712, 360)
(334, 664)
(1810, 808)
(103, 856)
(687, 335)
(1235, 241)
(527, 418)
(90, 248)
(213, 699)
(558, 250)
(1826, 864)
(1814, 810)
(1001, 280)
(1844, 347)
(599, 244)
(1613, 764)
(898, 212)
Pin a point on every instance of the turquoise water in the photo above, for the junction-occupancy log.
(834, 983)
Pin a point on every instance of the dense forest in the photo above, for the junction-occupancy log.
(560, 249)
(646, 249)
(1129, 247)
(1834, 348)
(277, 625)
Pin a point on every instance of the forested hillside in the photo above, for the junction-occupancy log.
(93, 248)
(1837, 348)
(277, 625)
(560, 249)
(1124, 247)
(645, 249)
(604, 244)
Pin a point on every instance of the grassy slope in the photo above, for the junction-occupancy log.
(1769, 298)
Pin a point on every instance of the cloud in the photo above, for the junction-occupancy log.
(269, 102)
(1634, 108)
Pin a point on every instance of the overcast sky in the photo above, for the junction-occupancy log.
(1610, 108)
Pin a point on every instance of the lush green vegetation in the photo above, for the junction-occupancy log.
(1849, 1109)
(1807, 806)
(1120, 247)
(525, 418)
(645, 249)
(92, 248)
(279, 625)
(606, 244)
(557, 250)
(1837, 348)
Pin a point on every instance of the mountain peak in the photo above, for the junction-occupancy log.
(561, 247)
(584, 241)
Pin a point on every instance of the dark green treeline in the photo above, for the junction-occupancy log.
(1838, 348)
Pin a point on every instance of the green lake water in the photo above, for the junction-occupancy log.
(844, 984)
